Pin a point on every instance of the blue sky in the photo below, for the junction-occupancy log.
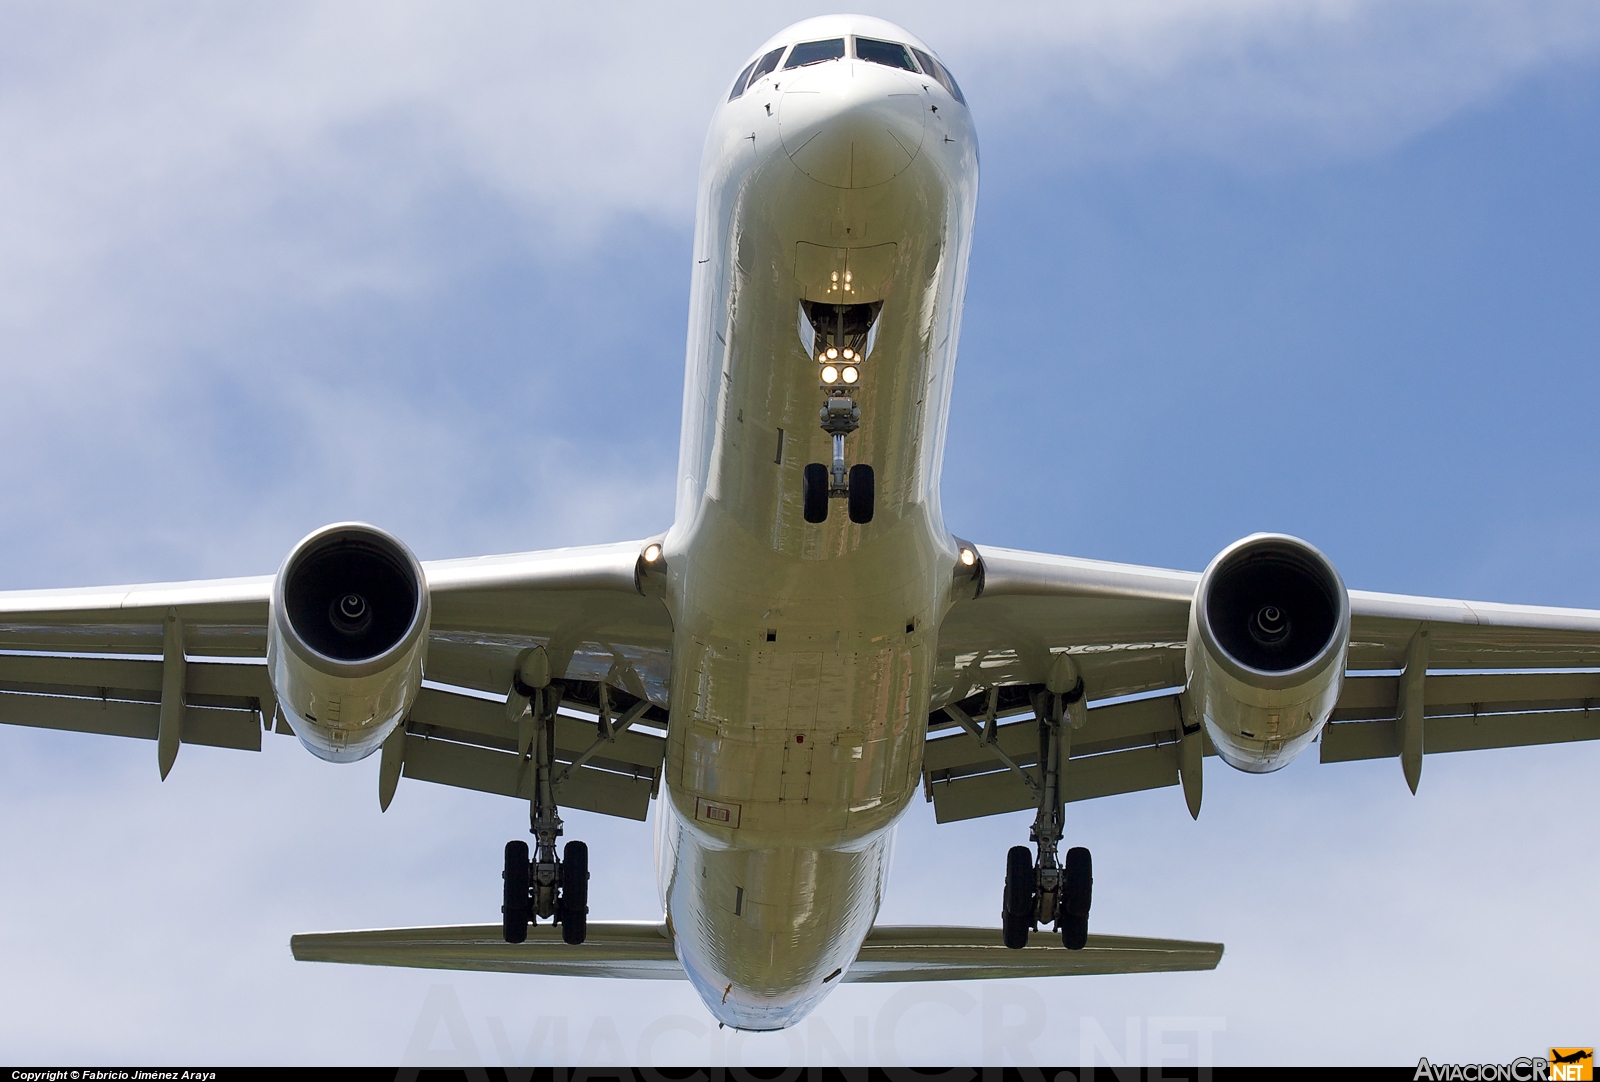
(1327, 268)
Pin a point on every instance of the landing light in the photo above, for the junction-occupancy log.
(830, 374)
(848, 354)
(652, 553)
(968, 557)
(832, 353)
(850, 374)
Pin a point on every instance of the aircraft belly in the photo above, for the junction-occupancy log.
(788, 762)
(816, 747)
(771, 931)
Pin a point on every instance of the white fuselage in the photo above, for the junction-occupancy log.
(802, 652)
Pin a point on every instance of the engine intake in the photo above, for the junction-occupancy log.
(1269, 632)
(347, 638)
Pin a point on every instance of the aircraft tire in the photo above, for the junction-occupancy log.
(515, 913)
(1016, 912)
(1076, 898)
(862, 494)
(574, 893)
(815, 491)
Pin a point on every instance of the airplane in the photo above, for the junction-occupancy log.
(792, 663)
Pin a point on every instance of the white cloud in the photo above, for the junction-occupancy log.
(173, 167)
(289, 150)
(1263, 83)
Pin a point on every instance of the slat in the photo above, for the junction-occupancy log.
(1086, 778)
(503, 773)
(238, 729)
(1350, 741)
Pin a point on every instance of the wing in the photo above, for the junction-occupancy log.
(1494, 678)
(641, 950)
(94, 660)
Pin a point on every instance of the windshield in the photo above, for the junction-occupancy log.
(767, 64)
(738, 84)
(755, 70)
(884, 52)
(815, 52)
(941, 73)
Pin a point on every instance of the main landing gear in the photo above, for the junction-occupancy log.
(555, 888)
(1043, 891)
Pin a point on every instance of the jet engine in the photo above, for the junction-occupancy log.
(1268, 634)
(347, 636)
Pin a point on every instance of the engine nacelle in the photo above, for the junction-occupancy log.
(1269, 631)
(346, 638)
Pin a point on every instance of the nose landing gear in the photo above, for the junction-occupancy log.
(1044, 891)
(842, 336)
(855, 484)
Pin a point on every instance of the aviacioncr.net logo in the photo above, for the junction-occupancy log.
(1564, 1065)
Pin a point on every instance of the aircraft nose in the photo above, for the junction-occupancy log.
(852, 124)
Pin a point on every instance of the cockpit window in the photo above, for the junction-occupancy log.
(884, 52)
(941, 73)
(815, 52)
(767, 64)
(755, 70)
(738, 84)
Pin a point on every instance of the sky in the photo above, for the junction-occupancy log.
(1322, 267)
